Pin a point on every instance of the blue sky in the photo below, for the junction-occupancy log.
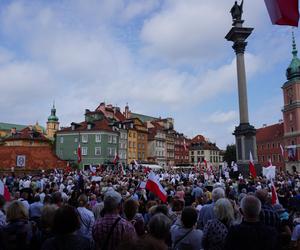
(165, 58)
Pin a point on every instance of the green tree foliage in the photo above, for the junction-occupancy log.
(230, 154)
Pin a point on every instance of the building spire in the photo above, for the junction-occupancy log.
(294, 51)
(53, 104)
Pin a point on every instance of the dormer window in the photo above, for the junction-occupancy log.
(73, 127)
(89, 126)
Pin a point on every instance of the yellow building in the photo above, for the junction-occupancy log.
(132, 145)
(52, 124)
(6, 129)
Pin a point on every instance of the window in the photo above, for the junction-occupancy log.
(84, 150)
(262, 146)
(258, 158)
(133, 135)
(110, 139)
(263, 158)
(61, 140)
(97, 151)
(98, 138)
(279, 158)
(130, 144)
(75, 139)
(273, 145)
(114, 139)
(111, 151)
(133, 144)
(84, 138)
(274, 158)
(202, 152)
(268, 145)
(129, 134)
(143, 155)
(198, 152)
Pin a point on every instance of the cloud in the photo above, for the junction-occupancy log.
(223, 117)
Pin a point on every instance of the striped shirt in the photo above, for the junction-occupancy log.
(123, 231)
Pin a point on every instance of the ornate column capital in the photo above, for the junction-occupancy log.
(239, 47)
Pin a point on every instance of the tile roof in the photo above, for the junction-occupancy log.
(143, 118)
(9, 126)
(27, 134)
(83, 126)
(270, 133)
(198, 139)
(36, 157)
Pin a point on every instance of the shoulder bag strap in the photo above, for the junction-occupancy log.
(104, 246)
(180, 239)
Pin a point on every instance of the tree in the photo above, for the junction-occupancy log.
(230, 154)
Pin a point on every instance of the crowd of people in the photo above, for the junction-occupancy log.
(110, 210)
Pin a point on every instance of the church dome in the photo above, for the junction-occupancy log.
(293, 71)
(53, 117)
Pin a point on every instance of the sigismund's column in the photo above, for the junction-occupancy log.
(245, 134)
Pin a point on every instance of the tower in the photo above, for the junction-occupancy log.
(291, 109)
(245, 132)
(52, 123)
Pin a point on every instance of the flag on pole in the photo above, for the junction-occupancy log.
(283, 12)
(274, 194)
(252, 167)
(270, 162)
(184, 145)
(4, 191)
(79, 156)
(282, 151)
(154, 186)
(116, 159)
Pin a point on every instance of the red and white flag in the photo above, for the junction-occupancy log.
(123, 172)
(205, 162)
(283, 12)
(270, 162)
(282, 151)
(116, 159)
(4, 191)
(184, 145)
(274, 194)
(79, 156)
(252, 167)
(154, 186)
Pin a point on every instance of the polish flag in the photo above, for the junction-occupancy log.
(252, 167)
(282, 151)
(274, 194)
(147, 170)
(154, 186)
(93, 170)
(184, 145)
(116, 158)
(79, 156)
(270, 162)
(205, 162)
(4, 191)
(283, 12)
(123, 172)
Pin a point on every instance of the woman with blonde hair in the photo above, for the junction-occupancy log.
(216, 230)
(19, 233)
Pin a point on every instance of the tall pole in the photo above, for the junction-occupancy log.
(245, 133)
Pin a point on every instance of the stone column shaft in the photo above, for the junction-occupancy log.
(242, 88)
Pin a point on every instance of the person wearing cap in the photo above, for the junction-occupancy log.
(110, 230)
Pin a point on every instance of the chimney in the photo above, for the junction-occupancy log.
(126, 111)
(30, 127)
(13, 131)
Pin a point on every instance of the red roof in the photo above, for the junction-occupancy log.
(83, 126)
(198, 138)
(27, 134)
(36, 157)
(270, 133)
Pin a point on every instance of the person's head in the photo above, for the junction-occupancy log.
(112, 202)
(159, 226)
(262, 195)
(2, 201)
(224, 211)
(82, 200)
(250, 207)
(130, 208)
(97, 210)
(47, 217)
(57, 198)
(36, 198)
(217, 194)
(66, 220)
(161, 209)
(16, 211)
(189, 217)
(177, 205)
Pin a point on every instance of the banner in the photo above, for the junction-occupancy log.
(21, 161)
(292, 152)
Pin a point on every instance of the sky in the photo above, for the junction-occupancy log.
(164, 58)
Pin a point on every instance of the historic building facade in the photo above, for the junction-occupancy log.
(286, 133)
(269, 140)
(181, 149)
(201, 149)
(97, 136)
